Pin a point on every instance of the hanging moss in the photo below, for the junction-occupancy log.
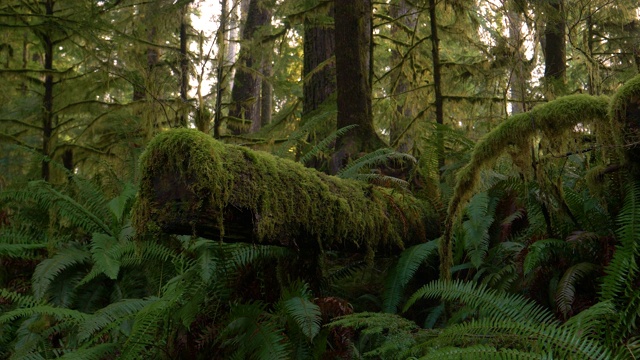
(624, 113)
(194, 184)
(551, 121)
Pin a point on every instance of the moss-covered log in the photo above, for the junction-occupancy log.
(193, 184)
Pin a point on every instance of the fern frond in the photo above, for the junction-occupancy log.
(103, 249)
(305, 314)
(111, 315)
(623, 268)
(324, 145)
(403, 271)
(566, 290)
(60, 313)
(76, 213)
(541, 251)
(372, 159)
(476, 227)
(394, 334)
(47, 271)
(255, 334)
(489, 302)
(593, 321)
(479, 352)
(145, 328)
(549, 338)
(97, 352)
(19, 299)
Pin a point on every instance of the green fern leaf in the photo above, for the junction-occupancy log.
(305, 314)
(50, 268)
(489, 302)
(111, 315)
(541, 251)
(476, 228)
(324, 145)
(102, 249)
(566, 290)
(97, 352)
(403, 271)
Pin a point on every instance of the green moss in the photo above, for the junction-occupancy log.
(551, 121)
(628, 93)
(289, 204)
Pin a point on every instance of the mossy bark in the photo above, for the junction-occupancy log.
(193, 184)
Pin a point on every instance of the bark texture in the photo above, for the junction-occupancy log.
(193, 184)
(353, 70)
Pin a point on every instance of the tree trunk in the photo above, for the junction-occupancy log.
(319, 72)
(555, 66)
(353, 69)
(266, 93)
(192, 184)
(47, 100)
(402, 12)
(518, 75)
(221, 35)
(183, 115)
(437, 81)
(245, 95)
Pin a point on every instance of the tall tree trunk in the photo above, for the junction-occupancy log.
(318, 72)
(437, 81)
(555, 66)
(47, 101)
(266, 93)
(217, 120)
(402, 12)
(183, 114)
(353, 69)
(518, 75)
(245, 95)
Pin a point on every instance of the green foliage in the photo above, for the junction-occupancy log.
(403, 271)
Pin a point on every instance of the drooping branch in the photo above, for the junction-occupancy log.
(193, 184)
(551, 121)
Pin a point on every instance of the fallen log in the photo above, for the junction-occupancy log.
(192, 184)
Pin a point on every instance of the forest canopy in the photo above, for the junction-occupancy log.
(316, 179)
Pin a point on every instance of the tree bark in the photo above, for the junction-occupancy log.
(353, 69)
(47, 101)
(404, 13)
(318, 72)
(554, 48)
(245, 95)
(195, 185)
(437, 81)
(183, 115)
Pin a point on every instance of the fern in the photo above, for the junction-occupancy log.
(403, 271)
(254, 333)
(111, 316)
(479, 352)
(391, 335)
(541, 251)
(487, 301)
(566, 291)
(378, 157)
(50, 268)
(324, 145)
(476, 227)
(98, 352)
(623, 268)
(305, 314)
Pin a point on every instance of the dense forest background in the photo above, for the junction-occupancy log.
(316, 179)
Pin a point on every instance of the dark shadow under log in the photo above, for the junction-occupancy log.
(192, 184)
